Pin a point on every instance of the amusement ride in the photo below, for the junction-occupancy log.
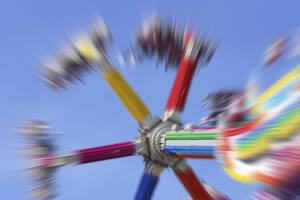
(249, 132)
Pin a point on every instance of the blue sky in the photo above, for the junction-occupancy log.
(91, 115)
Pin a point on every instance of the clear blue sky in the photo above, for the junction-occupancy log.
(91, 115)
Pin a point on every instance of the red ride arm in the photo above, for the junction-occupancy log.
(181, 85)
(192, 184)
(186, 70)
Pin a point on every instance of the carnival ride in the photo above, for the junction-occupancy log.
(251, 132)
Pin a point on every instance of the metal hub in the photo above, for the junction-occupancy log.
(153, 144)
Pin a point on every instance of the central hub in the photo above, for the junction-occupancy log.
(155, 140)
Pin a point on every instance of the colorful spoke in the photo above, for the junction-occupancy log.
(181, 85)
(130, 99)
(195, 156)
(126, 94)
(191, 144)
(106, 152)
(148, 183)
(85, 155)
(191, 183)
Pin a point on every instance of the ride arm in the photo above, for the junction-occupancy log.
(191, 143)
(190, 182)
(148, 182)
(126, 94)
(181, 85)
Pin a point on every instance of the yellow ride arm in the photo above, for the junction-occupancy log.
(126, 94)
(130, 99)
